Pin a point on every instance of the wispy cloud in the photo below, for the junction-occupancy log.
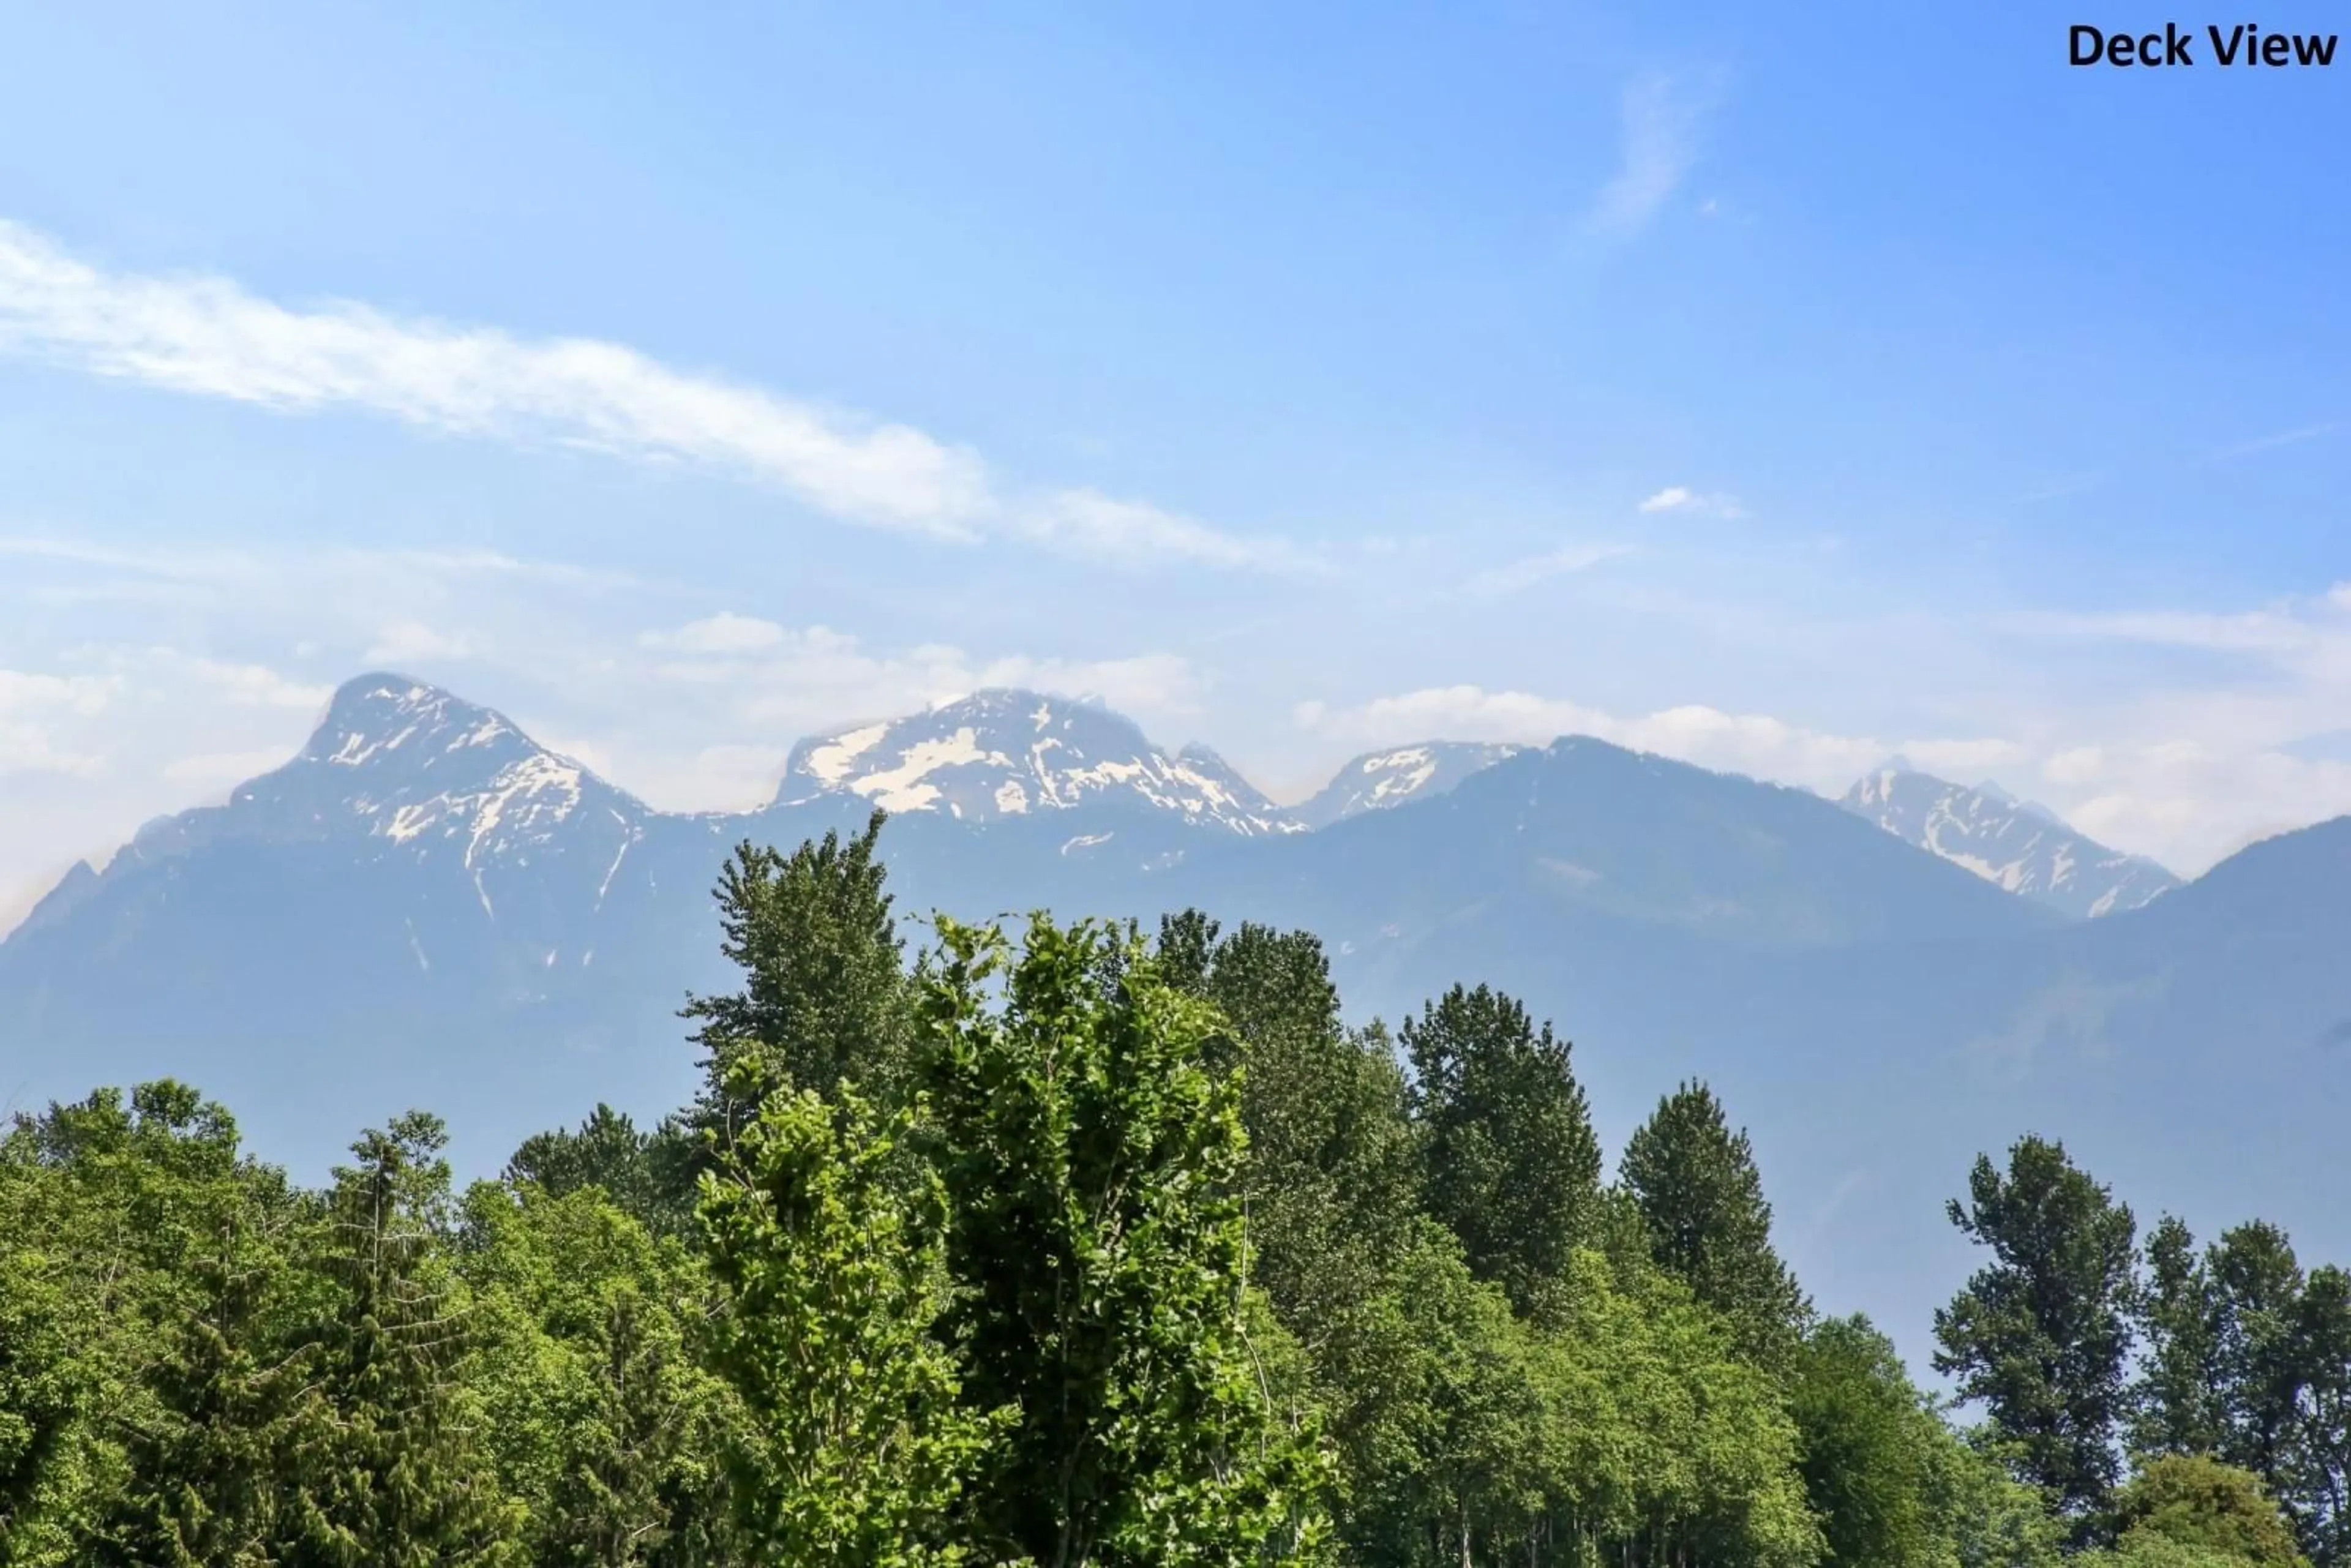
(775, 677)
(1524, 574)
(1682, 499)
(1664, 124)
(208, 337)
(2282, 438)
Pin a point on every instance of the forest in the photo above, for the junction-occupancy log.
(1078, 1245)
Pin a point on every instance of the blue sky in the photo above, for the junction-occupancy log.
(1775, 391)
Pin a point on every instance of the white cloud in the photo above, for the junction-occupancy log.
(25, 692)
(207, 337)
(724, 632)
(1086, 522)
(253, 685)
(2075, 766)
(1965, 760)
(1682, 499)
(1522, 574)
(219, 769)
(2270, 442)
(404, 643)
(1664, 119)
(31, 748)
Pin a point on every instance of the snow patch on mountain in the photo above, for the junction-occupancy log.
(999, 754)
(414, 770)
(1379, 780)
(2012, 843)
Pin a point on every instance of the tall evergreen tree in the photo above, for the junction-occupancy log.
(1512, 1165)
(235, 1397)
(1701, 1200)
(2041, 1335)
(400, 1478)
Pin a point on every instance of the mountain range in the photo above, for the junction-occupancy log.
(424, 907)
(2024, 848)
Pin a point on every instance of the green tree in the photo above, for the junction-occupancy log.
(59, 1362)
(1092, 1158)
(1512, 1165)
(2039, 1334)
(1330, 1181)
(400, 1480)
(2195, 1501)
(1868, 1444)
(861, 1453)
(597, 1413)
(825, 991)
(234, 1395)
(647, 1174)
(2317, 1489)
(2258, 1286)
(1701, 1198)
(1980, 1515)
(125, 1210)
(2176, 1404)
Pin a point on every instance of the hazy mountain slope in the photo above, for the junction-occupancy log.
(2013, 843)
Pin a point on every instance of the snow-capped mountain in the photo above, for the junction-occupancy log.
(2024, 848)
(999, 754)
(396, 774)
(425, 774)
(1378, 780)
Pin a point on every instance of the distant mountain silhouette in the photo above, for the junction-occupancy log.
(425, 907)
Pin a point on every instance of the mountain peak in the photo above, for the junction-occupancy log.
(1379, 780)
(1009, 752)
(408, 769)
(2024, 848)
(375, 715)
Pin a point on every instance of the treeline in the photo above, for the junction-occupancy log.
(1100, 1250)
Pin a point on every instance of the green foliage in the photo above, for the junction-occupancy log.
(2041, 1333)
(824, 994)
(2317, 1487)
(1513, 1169)
(1868, 1441)
(599, 1415)
(1981, 1515)
(1329, 1183)
(1701, 1197)
(2194, 1501)
(2258, 1285)
(859, 1452)
(399, 1478)
(2177, 1404)
(646, 1174)
(1092, 1158)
